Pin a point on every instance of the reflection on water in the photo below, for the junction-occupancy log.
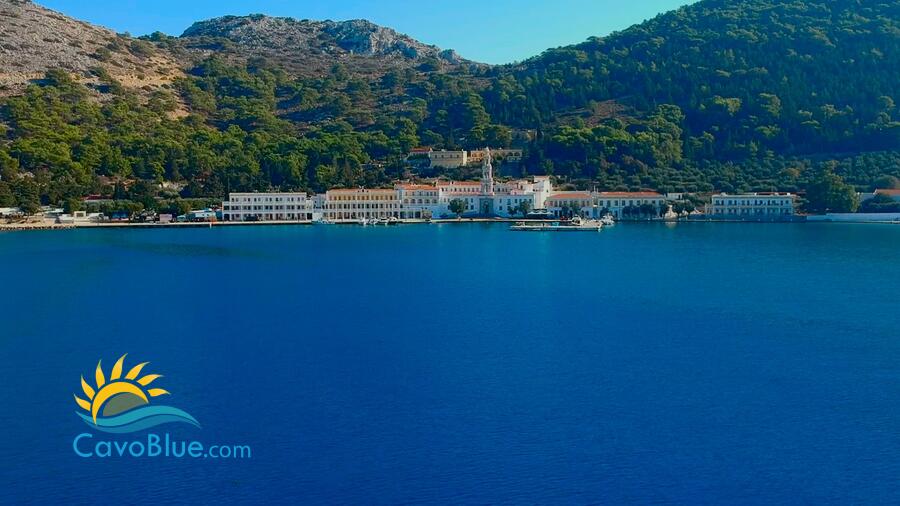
(711, 363)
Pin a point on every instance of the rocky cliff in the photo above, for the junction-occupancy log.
(34, 39)
(307, 46)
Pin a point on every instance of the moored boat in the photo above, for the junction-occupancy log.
(575, 225)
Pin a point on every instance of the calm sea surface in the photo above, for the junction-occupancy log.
(700, 363)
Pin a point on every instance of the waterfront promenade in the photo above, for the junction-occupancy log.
(50, 225)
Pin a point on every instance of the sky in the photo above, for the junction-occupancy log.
(489, 31)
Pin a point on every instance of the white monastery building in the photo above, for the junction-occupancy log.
(485, 197)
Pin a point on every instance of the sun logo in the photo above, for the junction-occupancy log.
(118, 395)
(121, 404)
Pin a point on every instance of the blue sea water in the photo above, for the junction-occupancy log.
(463, 363)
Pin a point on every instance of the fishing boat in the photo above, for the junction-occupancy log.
(575, 225)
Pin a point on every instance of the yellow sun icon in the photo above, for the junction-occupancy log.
(118, 395)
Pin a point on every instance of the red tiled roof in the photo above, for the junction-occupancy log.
(416, 187)
(571, 195)
(891, 193)
(359, 190)
(460, 183)
(652, 195)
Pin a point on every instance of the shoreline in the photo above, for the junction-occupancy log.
(47, 225)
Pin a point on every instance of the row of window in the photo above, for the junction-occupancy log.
(362, 197)
(343, 215)
(777, 202)
(744, 210)
(602, 203)
(264, 208)
(267, 216)
(268, 199)
(362, 206)
(465, 189)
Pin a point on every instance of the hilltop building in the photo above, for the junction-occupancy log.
(512, 155)
(893, 194)
(448, 159)
(455, 159)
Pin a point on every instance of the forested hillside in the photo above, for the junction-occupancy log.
(756, 80)
(720, 95)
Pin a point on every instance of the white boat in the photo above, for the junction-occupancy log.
(539, 214)
(575, 225)
(608, 220)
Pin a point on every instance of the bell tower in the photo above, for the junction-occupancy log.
(487, 173)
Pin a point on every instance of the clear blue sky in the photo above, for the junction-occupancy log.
(498, 31)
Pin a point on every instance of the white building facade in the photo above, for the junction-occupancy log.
(417, 201)
(752, 206)
(484, 197)
(361, 203)
(490, 198)
(624, 205)
(268, 207)
(570, 204)
(621, 205)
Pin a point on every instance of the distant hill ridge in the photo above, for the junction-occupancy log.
(336, 38)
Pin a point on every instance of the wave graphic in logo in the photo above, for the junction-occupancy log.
(140, 419)
(122, 404)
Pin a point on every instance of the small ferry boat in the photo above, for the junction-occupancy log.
(539, 214)
(575, 225)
